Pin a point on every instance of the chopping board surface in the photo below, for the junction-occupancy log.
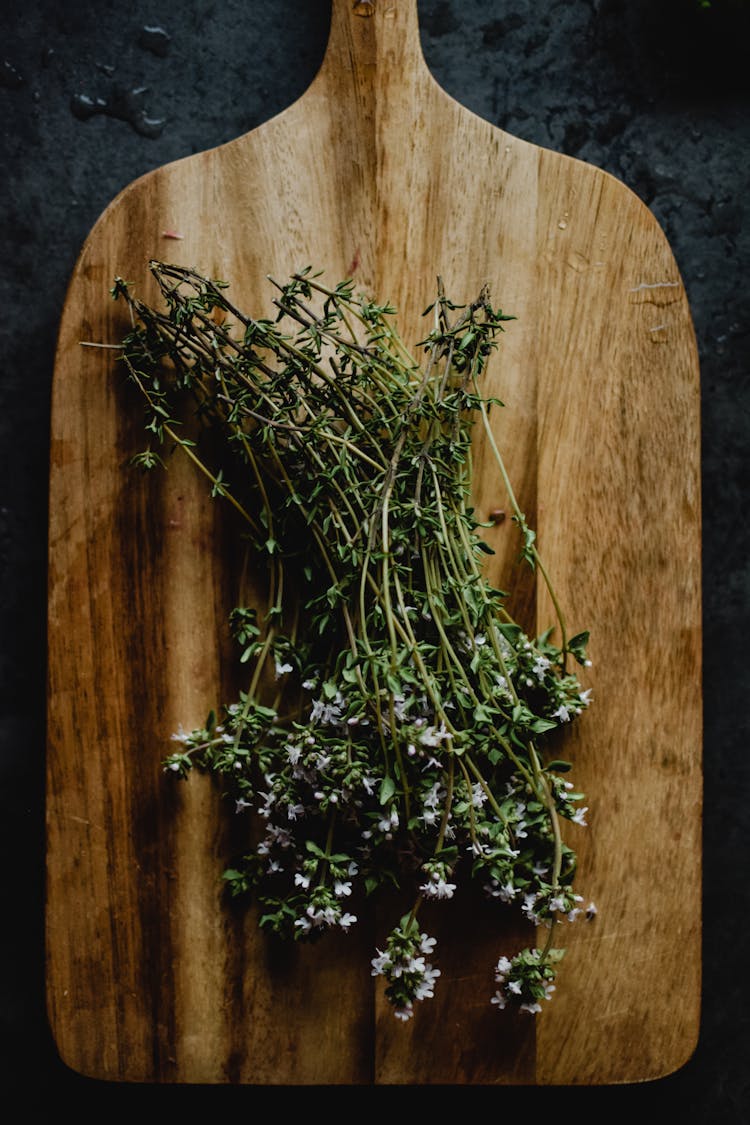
(378, 174)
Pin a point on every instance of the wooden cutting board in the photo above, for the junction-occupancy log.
(377, 173)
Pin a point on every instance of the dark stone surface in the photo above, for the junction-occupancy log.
(655, 93)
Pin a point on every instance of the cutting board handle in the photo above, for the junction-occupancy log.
(377, 41)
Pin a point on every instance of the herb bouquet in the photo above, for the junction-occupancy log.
(393, 727)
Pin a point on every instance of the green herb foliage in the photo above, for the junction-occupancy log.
(394, 726)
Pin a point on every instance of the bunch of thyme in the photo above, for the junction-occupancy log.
(393, 726)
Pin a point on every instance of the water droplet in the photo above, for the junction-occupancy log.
(156, 40)
(10, 77)
(123, 105)
(562, 224)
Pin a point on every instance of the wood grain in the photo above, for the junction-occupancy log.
(378, 173)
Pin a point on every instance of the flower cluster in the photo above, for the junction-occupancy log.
(404, 965)
(399, 729)
(526, 979)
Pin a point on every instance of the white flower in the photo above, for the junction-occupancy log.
(434, 796)
(541, 664)
(562, 713)
(580, 816)
(341, 889)
(294, 811)
(426, 986)
(507, 893)
(280, 835)
(573, 914)
(427, 944)
(268, 802)
(438, 888)
(591, 911)
(514, 986)
(180, 735)
(404, 1013)
(478, 795)
(529, 901)
(322, 917)
(502, 969)
(174, 766)
(241, 804)
(557, 903)
(274, 866)
(433, 736)
(399, 707)
(503, 686)
(533, 1008)
(293, 754)
(301, 880)
(303, 925)
(282, 668)
(347, 920)
(499, 999)
(585, 697)
(380, 963)
(389, 821)
(327, 713)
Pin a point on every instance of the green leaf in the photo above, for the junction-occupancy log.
(577, 646)
(393, 682)
(387, 789)
(539, 726)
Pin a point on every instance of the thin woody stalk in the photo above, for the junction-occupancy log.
(404, 739)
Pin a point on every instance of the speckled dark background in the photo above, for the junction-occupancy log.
(654, 92)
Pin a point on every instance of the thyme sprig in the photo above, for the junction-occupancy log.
(395, 726)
